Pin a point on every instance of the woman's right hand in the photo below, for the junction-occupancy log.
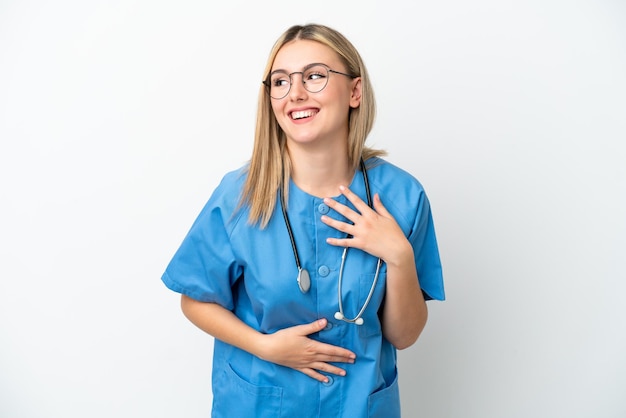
(292, 347)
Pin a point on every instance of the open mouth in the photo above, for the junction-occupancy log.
(303, 114)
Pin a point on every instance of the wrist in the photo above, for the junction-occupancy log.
(401, 256)
(258, 345)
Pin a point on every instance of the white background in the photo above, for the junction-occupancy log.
(118, 118)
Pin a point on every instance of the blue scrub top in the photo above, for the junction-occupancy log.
(252, 271)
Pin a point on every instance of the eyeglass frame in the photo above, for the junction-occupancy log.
(268, 85)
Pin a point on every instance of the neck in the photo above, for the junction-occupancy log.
(320, 173)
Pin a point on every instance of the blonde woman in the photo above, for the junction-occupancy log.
(311, 264)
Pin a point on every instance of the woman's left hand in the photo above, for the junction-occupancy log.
(373, 230)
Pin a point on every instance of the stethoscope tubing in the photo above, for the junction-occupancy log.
(303, 279)
(358, 318)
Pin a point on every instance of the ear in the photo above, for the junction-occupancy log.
(355, 98)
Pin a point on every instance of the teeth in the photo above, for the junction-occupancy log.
(303, 114)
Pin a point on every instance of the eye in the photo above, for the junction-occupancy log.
(280, 81)
(315, 74)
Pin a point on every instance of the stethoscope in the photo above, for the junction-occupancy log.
(304, 279)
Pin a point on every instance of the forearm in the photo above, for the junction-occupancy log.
(289, 347)
(221, 323)
(404, 312)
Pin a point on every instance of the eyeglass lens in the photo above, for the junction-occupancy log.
(314, 80)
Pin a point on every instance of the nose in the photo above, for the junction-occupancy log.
(297, 91)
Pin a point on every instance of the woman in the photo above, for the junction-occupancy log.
(303, 326)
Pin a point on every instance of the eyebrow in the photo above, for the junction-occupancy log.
(306, 67)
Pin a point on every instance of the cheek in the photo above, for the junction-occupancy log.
(277, 110)
(339, 97)
(277, 107)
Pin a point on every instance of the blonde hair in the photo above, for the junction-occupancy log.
(269, 168)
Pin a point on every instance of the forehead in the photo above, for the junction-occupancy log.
(294, 55)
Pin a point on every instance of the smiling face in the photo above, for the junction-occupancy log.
(314, 118)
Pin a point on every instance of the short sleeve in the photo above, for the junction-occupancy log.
(427, 260)
(204, 267)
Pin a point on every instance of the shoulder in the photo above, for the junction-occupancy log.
(230, 186)
(388, 177)
(224, 202)
(234, 178)
(402, 194)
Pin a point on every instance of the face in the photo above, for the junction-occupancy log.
(314, 118)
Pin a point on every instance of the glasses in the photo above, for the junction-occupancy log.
(314, 79)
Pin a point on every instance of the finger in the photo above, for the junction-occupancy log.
(342, 242)
(328, 369)
(354, 199)
(333, 353)
(337, 359)
(342, 209)
(379, 207)
(313, 374)
(324, 368)
(324, 349)
(311, 328)
(337, 224)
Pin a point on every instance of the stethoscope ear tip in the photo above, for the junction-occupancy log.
(359, 321)
(339, 316)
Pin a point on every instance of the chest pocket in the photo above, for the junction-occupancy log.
(371, 322)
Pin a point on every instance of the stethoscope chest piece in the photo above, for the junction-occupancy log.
(304, 280)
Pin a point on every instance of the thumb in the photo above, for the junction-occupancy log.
(312, 327)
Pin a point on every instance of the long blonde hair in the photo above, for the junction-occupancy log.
(270, 167)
